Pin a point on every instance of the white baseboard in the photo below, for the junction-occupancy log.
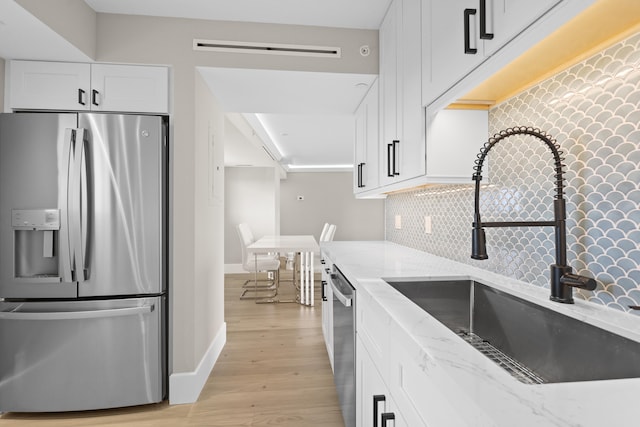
(185, 387)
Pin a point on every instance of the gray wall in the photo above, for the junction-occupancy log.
(328, 197)
(250, 197)
(591, 109)
(72, 19)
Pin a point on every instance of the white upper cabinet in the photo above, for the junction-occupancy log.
(129, 88)
(37, 85)
(460, 35)
(505, 19)
(49, 85)
(402, 148)
(366, 169)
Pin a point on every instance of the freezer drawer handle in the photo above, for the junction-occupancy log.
(74, 315)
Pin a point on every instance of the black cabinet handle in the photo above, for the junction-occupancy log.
(94, 97)
(467, 33)
(396, 145)
(483, 21)
(377, 398)
(390, 160)
(360, 181)
(81, 97)
(324, 295)
(386, 417)
(322, 261)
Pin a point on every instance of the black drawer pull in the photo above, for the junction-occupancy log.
(377, 398)
(386, 417)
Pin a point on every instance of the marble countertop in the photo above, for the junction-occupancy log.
(496, 397)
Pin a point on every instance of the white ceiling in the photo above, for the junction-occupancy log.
(304, 118)
(364, 14)
(21, 36)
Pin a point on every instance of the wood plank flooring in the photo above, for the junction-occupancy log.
(273, 371)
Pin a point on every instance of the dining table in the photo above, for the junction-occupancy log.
(305, 246)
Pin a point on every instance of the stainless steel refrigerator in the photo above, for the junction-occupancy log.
(83, 261)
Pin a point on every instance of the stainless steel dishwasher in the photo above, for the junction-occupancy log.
(344, 345)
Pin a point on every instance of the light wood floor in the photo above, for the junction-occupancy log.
(273, 371)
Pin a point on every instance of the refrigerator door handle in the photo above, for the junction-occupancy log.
(66, 249)
(74, 315)
(76, 230)
(83, 202)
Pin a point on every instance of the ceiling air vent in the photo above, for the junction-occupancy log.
(266, 48)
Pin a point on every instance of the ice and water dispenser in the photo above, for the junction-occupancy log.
(35, 244)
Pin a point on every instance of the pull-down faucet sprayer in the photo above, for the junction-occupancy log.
(562, 279)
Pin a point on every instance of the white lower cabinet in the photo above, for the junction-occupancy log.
(327, 306)
(421, 390)
(394, 375)
(374, 405)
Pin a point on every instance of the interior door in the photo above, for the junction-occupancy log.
(124, 232)
(34, 172)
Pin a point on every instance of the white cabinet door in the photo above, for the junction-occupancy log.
(412, 142)
(374, 404)
(366, 145)
(421, 390)
(389, 62)
(38, 85)
(505, 19)
(369, 386)
(129, 88)
(402, 147)
(48, 85)
(448, 50)
(327, 307)
(459, 35)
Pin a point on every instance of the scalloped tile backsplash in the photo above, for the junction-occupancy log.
(593, 111)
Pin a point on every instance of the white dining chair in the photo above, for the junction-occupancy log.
(256, 264)
(328, 236)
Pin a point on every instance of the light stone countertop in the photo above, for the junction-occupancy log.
(483, 388)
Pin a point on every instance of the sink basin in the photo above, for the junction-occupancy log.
(533, 343)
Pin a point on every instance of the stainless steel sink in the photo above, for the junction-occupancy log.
(535, 344)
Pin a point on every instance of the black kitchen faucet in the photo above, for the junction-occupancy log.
(562, 279)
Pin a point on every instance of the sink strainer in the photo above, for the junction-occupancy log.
(515, 368)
